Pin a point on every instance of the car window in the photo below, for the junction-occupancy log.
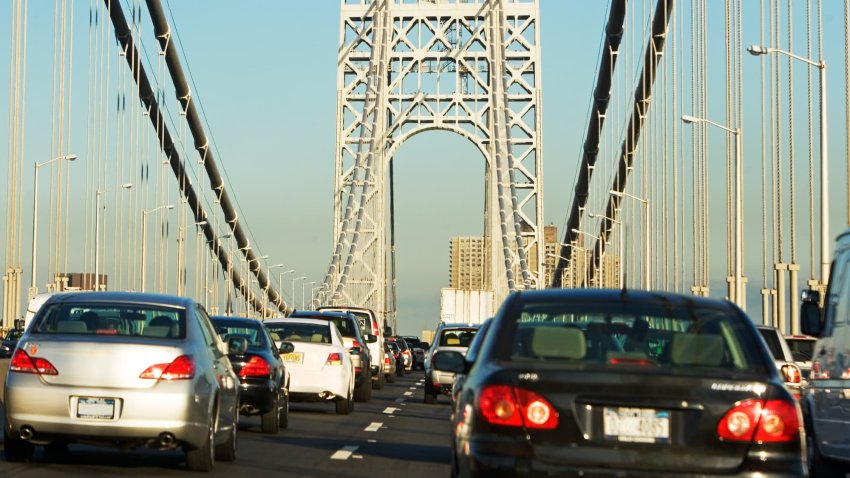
(641, 333)
(110, 319)
(772, 340)
(472, 353)
(210, 338)
(298, 332)
(801, 349)
(227, 329)
(837, 302)
(457, 337)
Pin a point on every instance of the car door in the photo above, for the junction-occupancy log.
(225, 377)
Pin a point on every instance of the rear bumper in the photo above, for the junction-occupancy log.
(257, 398)
(304, 384)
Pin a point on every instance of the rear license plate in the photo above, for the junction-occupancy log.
(643, 425)
(96, 408)
(293, 357)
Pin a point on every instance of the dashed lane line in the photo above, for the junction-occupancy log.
(344, 453)
(391, 410)
(408, 394)
(373, 427)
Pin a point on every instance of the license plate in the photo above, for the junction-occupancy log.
(96, 408)
(643, 425)
(293, 357)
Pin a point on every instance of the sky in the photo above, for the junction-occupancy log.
(265, 75)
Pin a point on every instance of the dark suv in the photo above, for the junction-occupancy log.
(355, 341)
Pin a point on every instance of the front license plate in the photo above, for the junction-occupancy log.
(293, 357)
(644, 425)
(96, 408)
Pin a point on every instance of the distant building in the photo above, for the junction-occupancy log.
(467, 263)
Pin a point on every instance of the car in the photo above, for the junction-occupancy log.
(320, 366)
(418, 351)
(406, 352)
(355, 340)
(826, 398)
(263, 378)
(9, 342)
(802, 347)
(471, 356)
(783, 358)
(398, 356)
(448, 337)
(122, 368)
(615, 382)
(389, 364)
(369, 325)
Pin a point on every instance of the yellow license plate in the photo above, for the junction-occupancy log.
(293, 357)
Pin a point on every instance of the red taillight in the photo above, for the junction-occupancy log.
(515, 407)
(182, 368)
(761, 422)
(630, 361)
(386, 360)
(334, 359)
(375, 330)
(791, 373)
(256, 367)
(23, 363)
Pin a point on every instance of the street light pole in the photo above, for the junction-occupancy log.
(646, 262)
(293, 287)
(757, 50)
(33, 286)
(303, 284)
(737, 288)
(144, 267)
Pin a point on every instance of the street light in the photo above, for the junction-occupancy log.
(598, 256)
(293, 287)
(144, 239)
(302, 291)
(97, 233)
(645, 202)
(67, 157)
(736, 293)
(758, 50)
(622, 275)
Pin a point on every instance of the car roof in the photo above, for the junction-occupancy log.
(320, 314)
(121, 297)
(236, 319)
(672, 298)
(299, 320)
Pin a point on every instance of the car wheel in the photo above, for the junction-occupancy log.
(344, 405)
(203, 457)
(17, 449)
(430, 397)
(390, 378)
(400, 371)
(227, 450)
(363, 392)
(283, 420)
(819, 465)
(379, 383)
(271, 420)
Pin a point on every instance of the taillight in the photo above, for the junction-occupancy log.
(256, 367)
(23, 363)
(791, 373)
(334, 359)
(375, 330)
(630, 361)
(386, 360)
(761, 422)
(182, 368)
(515, 407)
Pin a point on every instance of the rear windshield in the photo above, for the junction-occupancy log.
(772, 340)
(614, 334)
(228, 329)
(295, 332)
(457, 337)
(801, 349)
(111, 319)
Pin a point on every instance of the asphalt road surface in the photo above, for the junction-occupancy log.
(393, 434)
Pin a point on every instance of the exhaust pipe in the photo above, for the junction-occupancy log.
(326, 395)
(167, 440)
(26, 432)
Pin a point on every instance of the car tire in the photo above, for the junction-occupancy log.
(819, 465)
(227, 450)
(283, 419)
(400, 371)
(430, 398)
(390, 378)
(203, 457)
(344, 406)
(270, 421)
(379, 382)
(363, 392)
(16, 449)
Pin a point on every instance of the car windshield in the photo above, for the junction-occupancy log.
(613, 334)
(14, 334)
(227, 329)
(801, 349)
(299, 332)
(135, 320)
(772, 339)
(457, 337)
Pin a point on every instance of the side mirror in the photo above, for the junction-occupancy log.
(237, 345)
(286, 347)
(370, 339)
(811, 321)
(450, 361)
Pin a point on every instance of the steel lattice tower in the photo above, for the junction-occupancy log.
(405, 67)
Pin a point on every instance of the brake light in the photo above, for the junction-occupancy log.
(760, 422)
(791, 373)
(630, 361)
(386, 360)
(256, 367)
(515, 407)
(356, 344)
(334, 359)
(23, 363)
(375, 330)
(182, 368)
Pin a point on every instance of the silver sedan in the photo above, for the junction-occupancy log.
(122, 368)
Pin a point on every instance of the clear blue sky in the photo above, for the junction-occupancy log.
(265, 73)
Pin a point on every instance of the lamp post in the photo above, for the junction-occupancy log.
(144, 240)
(622, 276)
(758, 50)
(313, 295)
(303, 284)
(67, 157)
(645, 202)
(294, 279)
(97, 233)
(598, 257)
(737, 288)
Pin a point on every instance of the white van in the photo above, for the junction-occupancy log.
(35, 304)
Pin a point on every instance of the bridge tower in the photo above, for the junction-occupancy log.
(408, 66)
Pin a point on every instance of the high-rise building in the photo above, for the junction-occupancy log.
(467, 263)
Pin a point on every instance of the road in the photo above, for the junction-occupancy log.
(394, 432)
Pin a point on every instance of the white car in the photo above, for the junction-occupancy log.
(320, 366)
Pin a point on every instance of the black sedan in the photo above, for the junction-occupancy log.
(604, 382)
(263, 381)
(10, 341)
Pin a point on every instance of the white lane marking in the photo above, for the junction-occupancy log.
(373, 427)
(408, 393)
(391, 410)
(412, 388)
(373, 441)
(399, 400)
(357, 457)
(421, 381)
(344, 453)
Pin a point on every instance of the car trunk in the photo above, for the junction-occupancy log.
(670, 426)
(308, 356)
